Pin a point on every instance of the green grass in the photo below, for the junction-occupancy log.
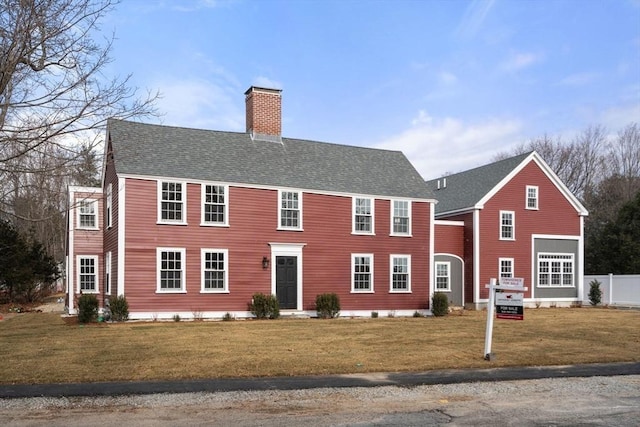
(43, 348)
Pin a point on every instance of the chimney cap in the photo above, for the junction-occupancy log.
(262, 89)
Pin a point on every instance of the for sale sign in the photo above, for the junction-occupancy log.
(509, 305)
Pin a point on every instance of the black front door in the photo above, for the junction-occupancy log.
(286, 281)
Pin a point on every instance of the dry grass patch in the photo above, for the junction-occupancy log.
(42, 348)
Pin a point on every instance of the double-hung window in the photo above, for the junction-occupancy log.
(443, 276)
(88, 214)
(87, 274)
(107, 273)
(172, 198)
(401, 218)
(290, 211)
(215, 276)
(362, 273)
(507, 225)
(363, 215)
(171, 269)
(506, 267)
(400, 273)
(532, 197)
(214, 204)
(555, 270)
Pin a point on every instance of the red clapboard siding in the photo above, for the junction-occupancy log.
(252, 225)
(111, 234)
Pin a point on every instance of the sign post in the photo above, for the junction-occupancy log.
(509, 306)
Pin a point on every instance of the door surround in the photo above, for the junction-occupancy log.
(292, 250)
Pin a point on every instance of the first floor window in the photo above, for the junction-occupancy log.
(171, 264)
(214, 270)
(290, 209)
(107, 273)
(401, 273)
(506, 267)
(172, 202)
(507, 225)
(555, 270)
(88, 273)
(443, 276)
(401, 217)
(362, 273)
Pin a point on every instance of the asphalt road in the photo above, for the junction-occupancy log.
(600, 394)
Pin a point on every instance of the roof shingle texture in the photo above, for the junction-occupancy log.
(233, 157)
(465, 189)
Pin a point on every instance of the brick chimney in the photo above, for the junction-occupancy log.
(264, 113)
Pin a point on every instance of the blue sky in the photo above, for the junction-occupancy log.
(449, 83)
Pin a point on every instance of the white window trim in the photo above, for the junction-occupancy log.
(204, 290)
(300, 211)
(183, 262)
(513, 226)
(399, 291)
(96, 273)
(511, 262)
(573, 271)
(203, 195)
(372, 202)
(435, 284)
(79, 204)
(107, 273)
(409, 225)
(184, 203)
(353, 266)
(526, 198)
(109, 208)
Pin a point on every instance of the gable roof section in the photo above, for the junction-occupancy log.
(233, 157)
(471, 189)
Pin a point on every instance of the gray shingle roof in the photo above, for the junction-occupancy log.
(465, 189)
(232, 157)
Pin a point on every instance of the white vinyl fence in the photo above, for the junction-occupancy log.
(616, 289)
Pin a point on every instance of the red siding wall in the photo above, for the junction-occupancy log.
(326, 258)
(555, 216)
(449, 239)
(467, 242)
(111, 234)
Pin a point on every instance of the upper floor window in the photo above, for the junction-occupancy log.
(214, 204)
(506, 267)
(290, 211)
(507, 225)
(170, 269)
(555, 270)
(172, 206)
(363, 215)
(443, 276)
(401, 217)
(532, 197)
(88, 274)
(214, 270)
(109, 214)
(88, 214)
(400, 273)
(362, 273)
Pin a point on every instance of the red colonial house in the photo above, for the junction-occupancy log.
(197, 221)
(511, 218)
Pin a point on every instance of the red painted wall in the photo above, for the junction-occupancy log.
(327, 223)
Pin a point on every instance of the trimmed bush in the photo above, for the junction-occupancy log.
(264, 306)
(328, 306)
(119, 309)
(440, 304)
(595, 293)
(87, 308)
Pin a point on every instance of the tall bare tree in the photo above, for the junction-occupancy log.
(54, 103)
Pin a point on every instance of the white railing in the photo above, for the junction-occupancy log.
(617, 289)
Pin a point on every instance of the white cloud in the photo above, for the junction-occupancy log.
(521, 60)
(266, 82)
(616, 118)
(437, 146)
(200, 103)
(447, 78)
(578, 79)
(473, 18)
